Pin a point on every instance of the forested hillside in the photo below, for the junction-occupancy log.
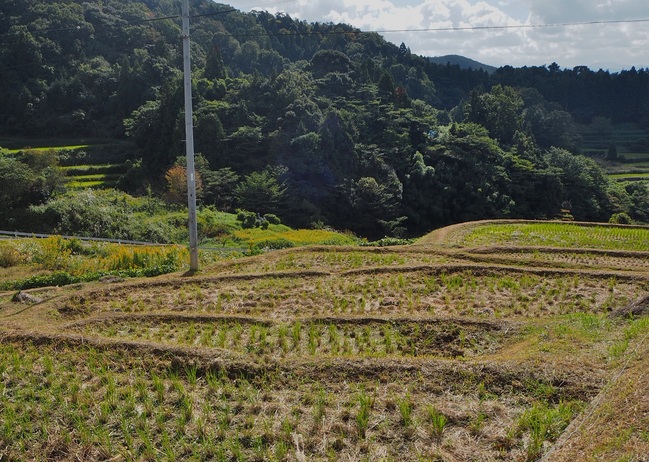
(319, 124)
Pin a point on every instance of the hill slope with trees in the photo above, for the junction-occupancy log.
(319, 124)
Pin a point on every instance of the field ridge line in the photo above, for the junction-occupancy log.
(494, 268)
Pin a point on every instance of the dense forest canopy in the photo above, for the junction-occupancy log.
(315, 123)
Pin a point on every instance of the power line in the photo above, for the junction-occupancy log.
(358, 31)
(515, 26)
(440, 29)
(39, 31)
(350, 29)
(214, 13)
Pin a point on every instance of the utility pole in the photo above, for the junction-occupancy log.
(189, 143)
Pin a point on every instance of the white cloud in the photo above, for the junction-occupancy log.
(613, 46)
(553, 11)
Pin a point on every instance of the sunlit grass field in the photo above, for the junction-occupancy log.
(555, 234)
(277, 236)
(631, 176)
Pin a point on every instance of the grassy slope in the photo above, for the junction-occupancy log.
(437, 351)
(615, 426)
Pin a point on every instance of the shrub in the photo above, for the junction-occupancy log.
(110, 214)
(53, 253)
(127, 258)
(253, 220)
(9, 256)
(621, 219)
(74, 246)
(388, 241)
(60, 278)
(209, 224)
(248, 219)
(271, 244)
(87, 213)
(272, 219)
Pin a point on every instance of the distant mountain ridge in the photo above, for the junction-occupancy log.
(463, 62)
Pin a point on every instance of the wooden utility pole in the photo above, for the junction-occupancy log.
(189, 143)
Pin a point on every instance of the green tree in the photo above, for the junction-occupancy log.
(156, 127)
(639, 195)
(209, 133)
(535, 188)
(471, 181)
(31, 178)
(386, 87)
(552, 128)
(330, 61)
(498, 111)
(17, 182)
(248, 56)
(214, 65)
(584, 185)
(373, 208)
(219, 188)
(419, 195)
(262, 192)
(373, 198)
(611, 154)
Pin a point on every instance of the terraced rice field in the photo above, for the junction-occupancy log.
(86, 176)
(86, 163)
(631, 145)
(452, 349)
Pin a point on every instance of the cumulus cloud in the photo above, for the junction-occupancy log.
(609, 46)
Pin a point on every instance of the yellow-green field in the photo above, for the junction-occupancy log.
(599, 236)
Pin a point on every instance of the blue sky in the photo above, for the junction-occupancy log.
(607, 46)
